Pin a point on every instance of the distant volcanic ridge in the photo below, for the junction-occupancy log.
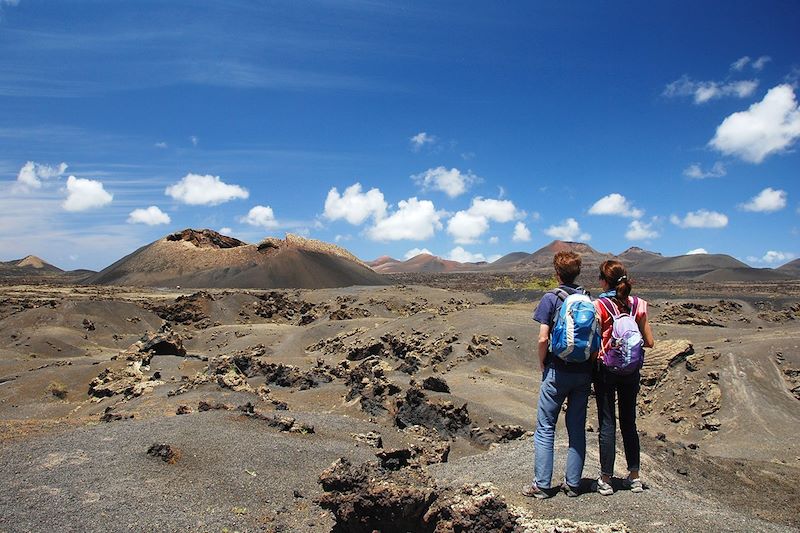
(205, 238)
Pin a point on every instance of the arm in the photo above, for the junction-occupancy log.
(544, 343)
(647, 332)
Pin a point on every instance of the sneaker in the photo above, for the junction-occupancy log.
(569, 490)
(532, 491)
(633, 485)
(602, 487)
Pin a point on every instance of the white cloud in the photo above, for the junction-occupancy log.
(769, 126)
(568, 230)
(697, 251)
(152, 216)
(467, 226)
(355, 206)
(84, 194)
(161, 144)
(451, 182)
(495, 210)
(493, 240)
(701, 218)
(615, 204)
(696, 172)
(740, 63)
(756, 64)
(226, 231)
(31, 174)
(640, 231)
(261, 216)
(414, 219)
(759, 63)
(773, 257)
(704, 91)
(421, 139)
(194, 140)
(463, 256)
(767, 201)
(341, 238)
(414, 252)
(521, 233)
(196, 189)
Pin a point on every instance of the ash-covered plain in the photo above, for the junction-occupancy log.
(405, 407)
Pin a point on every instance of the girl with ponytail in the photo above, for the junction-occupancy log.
(625, 332)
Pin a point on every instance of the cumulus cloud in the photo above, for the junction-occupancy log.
(640, 231)
(568, 230)
(767, 127)
(696, 172)
(355, 206)
(701, 218)
(421, 139)
(414, 252)
(463, 256)
(697, 251)
(152, 216)
(615, 204)
(467, 226)
(414, 219)
(767, 201)
(452, 182)
(196, 189)
(704, 91)
(521, 233)
(261, 216)
(773, 257)
(31, 174)
(84, 194)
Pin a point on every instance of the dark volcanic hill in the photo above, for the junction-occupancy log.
(541, 260)
(635, 255)
(688, 265)
(29, 265)
(205, 258)
(791, 268)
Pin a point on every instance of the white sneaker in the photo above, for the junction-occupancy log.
(634, 485)
(602, 487)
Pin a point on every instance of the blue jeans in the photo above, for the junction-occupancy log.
(557, 386)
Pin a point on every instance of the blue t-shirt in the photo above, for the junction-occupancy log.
(545, 313)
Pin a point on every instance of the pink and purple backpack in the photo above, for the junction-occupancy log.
(625, 355)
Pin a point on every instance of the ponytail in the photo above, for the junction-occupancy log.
(615, 274)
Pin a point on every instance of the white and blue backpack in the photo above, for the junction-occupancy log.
(576, 330)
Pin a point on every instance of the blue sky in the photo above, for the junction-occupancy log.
(473, 129)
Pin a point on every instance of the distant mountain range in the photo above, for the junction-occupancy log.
(206, 258)
(644, 263)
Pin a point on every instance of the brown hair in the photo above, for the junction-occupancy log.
(567, 265)
(615, 274)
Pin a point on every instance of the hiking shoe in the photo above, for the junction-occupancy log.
(602, 487)
(633, 485)
(569, 490)
(532, 491)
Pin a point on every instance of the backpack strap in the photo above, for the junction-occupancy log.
(609, 306)
(560, 293)
(634, 306)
